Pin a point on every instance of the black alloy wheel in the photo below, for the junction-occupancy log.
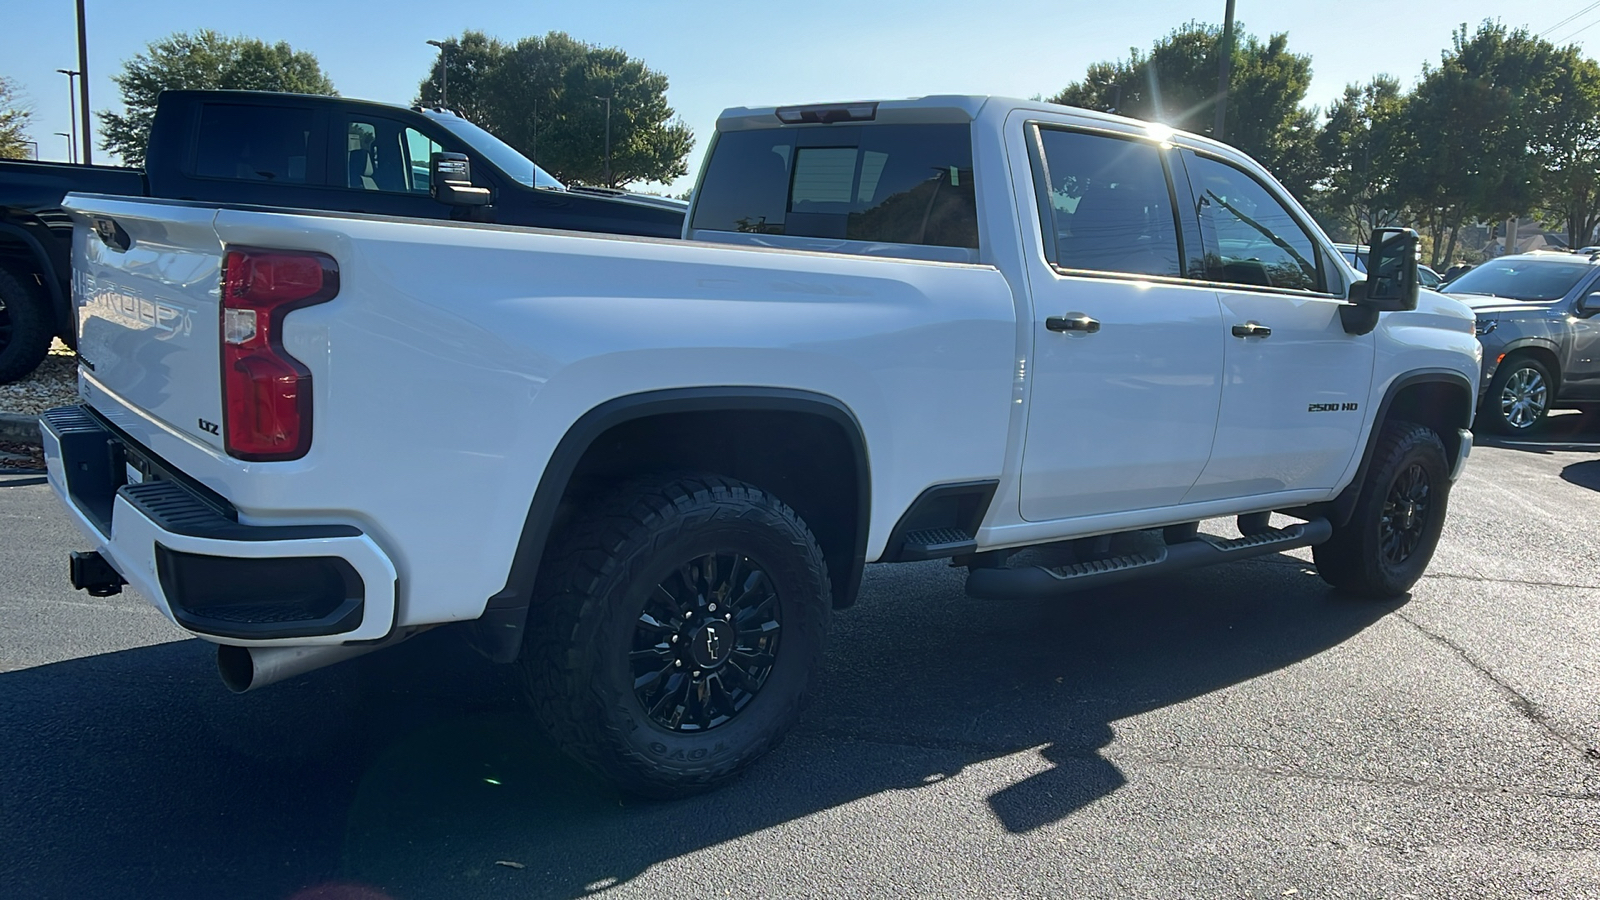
(706, 642)
(1389, 539)
(675, 633)
(1405, 515)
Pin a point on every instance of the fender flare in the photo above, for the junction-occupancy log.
(1339, 509)
(499, 630)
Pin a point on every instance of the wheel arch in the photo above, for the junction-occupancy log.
(1543, 352)
(1440, 399)
(645, 432)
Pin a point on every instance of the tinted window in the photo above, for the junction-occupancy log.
(900, 184)
(381, 155)
(1522, 279)
(254, 143)
(1109, 204)
(1255, 238)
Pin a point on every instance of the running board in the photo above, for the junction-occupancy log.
(1204, 550)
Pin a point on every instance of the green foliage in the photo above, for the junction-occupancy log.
(1176, 83)
(202, 60)
(13, 122)
(543, 96)
(1360, 146)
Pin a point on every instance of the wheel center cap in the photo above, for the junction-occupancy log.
(712, 644)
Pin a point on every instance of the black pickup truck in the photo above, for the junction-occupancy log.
(287, 150)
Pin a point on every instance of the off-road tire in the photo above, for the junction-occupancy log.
(1354, 558)
(25, 329)
(588, 604)
(1493, 414)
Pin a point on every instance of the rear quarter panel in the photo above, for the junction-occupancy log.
(455, 358)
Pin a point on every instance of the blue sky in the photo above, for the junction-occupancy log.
(719, 54)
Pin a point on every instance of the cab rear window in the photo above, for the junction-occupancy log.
(897, 184)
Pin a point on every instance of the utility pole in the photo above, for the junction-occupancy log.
(72, 106)
(1225, 70)
(444, 74)
(83, 84)
(608, 138)
(533, 138)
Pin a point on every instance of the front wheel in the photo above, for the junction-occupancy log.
(1390, 538)
(24, 326)
(1519, 396)
(673, 641)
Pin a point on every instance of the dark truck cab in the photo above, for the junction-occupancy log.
(254, 148)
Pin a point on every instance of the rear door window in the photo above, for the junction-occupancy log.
(381, 154)
(1109, 208)
(893, 184)
(256, 143)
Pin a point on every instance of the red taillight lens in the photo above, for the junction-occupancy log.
(266, 392)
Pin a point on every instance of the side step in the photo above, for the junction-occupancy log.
(936, 543)
(1037, 581)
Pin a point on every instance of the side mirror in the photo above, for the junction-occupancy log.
(1392, 269)
(450, 180)
(1589, 304)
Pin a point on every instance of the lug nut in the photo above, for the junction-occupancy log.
(728, 617)
(697, 673)
(712, 607)
(678, 663)
(674, 639)
(688, 614)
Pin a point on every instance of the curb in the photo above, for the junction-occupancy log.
(20, 429)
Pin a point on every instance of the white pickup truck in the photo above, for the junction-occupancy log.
(648, 470)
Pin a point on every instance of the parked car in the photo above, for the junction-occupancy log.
(1356, 256)
(942, 328)
(282, 150)
(1541, 343)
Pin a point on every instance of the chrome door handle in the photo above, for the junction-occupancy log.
(1073, 322)
(1251, 329)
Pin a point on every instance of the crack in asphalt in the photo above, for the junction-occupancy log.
(1524, 706)
(1488, 580)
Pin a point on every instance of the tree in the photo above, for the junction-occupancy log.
(1359, 146)
(546, 97)
(1477, 130)
(13, 122)
(202, 60)
(1176, 83)
(1568, 146)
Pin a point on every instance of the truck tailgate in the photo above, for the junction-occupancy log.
(146, 293)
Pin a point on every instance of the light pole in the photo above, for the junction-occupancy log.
(83, 84)
(1225, 68)
(444, 73)
(608, 138)
(72, 150)
(72, 104)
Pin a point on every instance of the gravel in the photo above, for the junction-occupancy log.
(54, 383)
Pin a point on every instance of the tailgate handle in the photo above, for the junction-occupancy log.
(111, 233)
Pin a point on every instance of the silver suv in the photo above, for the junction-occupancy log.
(1541, 341)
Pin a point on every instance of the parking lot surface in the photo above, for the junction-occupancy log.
(1239, 731)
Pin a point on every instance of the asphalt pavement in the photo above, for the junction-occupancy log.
(1239, 731)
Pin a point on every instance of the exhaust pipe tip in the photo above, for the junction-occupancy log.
(237, 669)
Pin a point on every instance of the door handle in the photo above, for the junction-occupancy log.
(1251, 329)
(1073, 322)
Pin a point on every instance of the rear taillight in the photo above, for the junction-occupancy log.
(266, 392)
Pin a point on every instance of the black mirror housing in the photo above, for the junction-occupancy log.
(1392, 279)
(450, 180)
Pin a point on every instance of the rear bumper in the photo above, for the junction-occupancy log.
(212, 575)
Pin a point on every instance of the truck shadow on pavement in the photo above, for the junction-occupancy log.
(413, 772)
(1583, 474)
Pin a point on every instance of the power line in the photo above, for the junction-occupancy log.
(1575, 15)
(1569, 37)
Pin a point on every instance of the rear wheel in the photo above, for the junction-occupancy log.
(1390, 538)
(1519, 396)
(674, 639)
(24, 326)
